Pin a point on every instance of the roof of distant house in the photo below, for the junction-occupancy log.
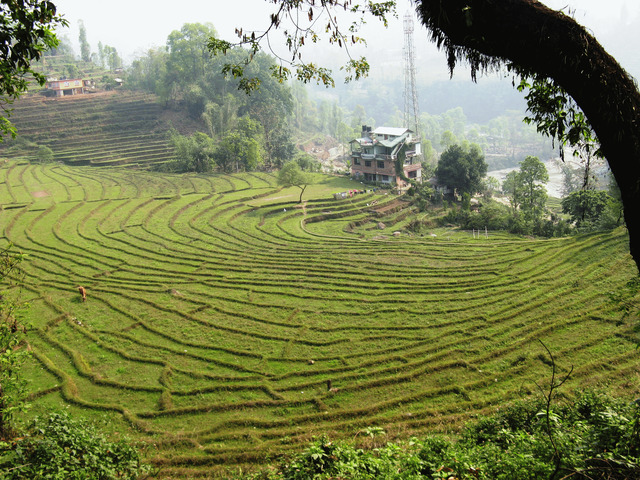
(395, 131)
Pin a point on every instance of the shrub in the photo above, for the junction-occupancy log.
(44, 154)
(60, 448)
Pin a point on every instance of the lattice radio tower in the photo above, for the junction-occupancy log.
(411, 109)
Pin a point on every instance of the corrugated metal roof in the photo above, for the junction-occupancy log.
(395, 131)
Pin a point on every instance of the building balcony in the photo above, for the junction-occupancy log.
(373, 156)
(373, 169)
(412, 167)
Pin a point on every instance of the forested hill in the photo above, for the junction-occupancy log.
(109, 128)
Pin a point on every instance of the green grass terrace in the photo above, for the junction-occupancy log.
(226, 324)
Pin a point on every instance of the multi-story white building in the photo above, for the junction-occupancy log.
(375, 153)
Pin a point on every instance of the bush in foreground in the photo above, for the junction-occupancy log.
(60, 448)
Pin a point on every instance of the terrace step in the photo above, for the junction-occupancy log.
(111, 128)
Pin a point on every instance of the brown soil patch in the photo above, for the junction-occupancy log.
(40, 194)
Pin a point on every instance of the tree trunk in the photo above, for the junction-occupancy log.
(302, 189)
(540, 40)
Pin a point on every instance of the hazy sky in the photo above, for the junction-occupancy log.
(133, 26)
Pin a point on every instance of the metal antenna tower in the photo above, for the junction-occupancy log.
(411, 110)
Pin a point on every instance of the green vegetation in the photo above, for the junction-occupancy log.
(223, 331)
(592, 437)
(592, 209)
(462, 169)
(291, 175)
(187, 77)
(60, 448)
(525, 188)
(12, 393)
(25, 34)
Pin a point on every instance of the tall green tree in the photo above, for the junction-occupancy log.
(532, 176)
(100, 57)
(462, 169)
(271, 106)
(188, 56)
(148, 72)
(512, 187)
(112, 57)
(239, 150)
(221, 115)
(282, 149)
(85, 49)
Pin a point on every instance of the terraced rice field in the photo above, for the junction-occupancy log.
(226, 325)
(105, 129)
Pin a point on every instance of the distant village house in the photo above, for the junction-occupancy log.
(71, 86)
(374, 155)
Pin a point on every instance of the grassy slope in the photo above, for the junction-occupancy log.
(109, 128)
(219, 310)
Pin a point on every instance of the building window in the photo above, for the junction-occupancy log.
(413, 174)
(356, 161)
(380, 164)
(385, 178)
(367, 163)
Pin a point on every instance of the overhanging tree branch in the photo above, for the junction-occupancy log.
(531, 39)
(304, 22)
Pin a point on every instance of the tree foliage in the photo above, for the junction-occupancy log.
(462, 169)
(85, 49)
(290, 175)
(44, 154)
(532, 177)
(12, 355)
(585, 207)
(186, 75)
(556, 115)
(112, 57)
(26, 32)
(191, 153)
(60, 448)
(303, 22)
(240, 149)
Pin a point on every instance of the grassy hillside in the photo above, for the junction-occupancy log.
(220, 312)
(109, 128)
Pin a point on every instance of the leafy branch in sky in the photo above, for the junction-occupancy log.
(304, 22)
(557, 115)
